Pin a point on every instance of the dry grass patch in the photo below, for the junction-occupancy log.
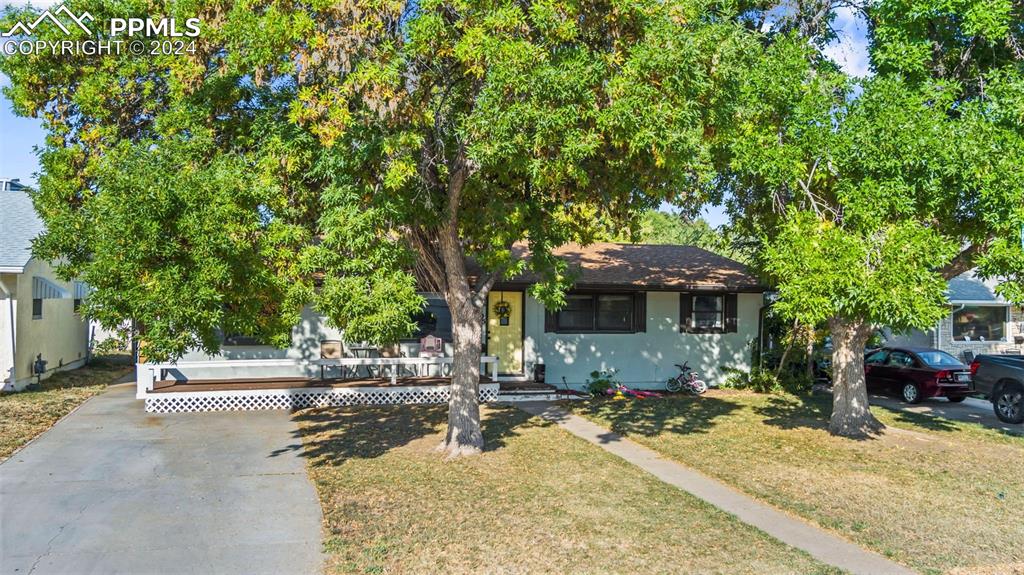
(26, 414)
(936, 495)
(537, 501)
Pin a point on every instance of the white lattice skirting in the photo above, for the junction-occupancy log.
(243, 400)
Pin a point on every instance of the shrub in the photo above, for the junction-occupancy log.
(601, 381)
(764, 381)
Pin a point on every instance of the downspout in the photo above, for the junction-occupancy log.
(14, 328)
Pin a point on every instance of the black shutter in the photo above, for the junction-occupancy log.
(685, 311)
(640, 312)
(550, 320)
(730, 313)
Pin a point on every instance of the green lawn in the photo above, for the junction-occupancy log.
(936, 495)
(537, 501)
(26, 414)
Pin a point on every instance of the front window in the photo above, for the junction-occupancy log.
(578, 313)
(596, 313)
(979, 323)
(614, 312)
(708, 312)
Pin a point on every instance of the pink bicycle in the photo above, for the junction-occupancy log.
(686, 381)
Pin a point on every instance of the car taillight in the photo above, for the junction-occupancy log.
(974, 367)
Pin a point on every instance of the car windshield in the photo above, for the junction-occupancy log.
(938, 359)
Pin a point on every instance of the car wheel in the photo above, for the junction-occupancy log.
(958, 399)
(911, 393)
(1009, 404)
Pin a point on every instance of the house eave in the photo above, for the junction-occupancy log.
(624, 287)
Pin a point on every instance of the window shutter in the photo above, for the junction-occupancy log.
(550, 320)
(685, 312)
(731, 305)
(640, 312)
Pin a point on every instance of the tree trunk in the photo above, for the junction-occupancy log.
(810, 355)
(785, 352)
(850, 414)
(464, 436)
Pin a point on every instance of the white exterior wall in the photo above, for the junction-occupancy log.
(8, 317)
(61, 336)
(643, 360)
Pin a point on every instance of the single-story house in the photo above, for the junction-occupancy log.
(637, 309)
(979, 321)
(39, 317)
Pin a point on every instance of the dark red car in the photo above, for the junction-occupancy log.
(917, 373)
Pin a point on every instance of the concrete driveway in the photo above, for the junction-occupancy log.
(111, 489)
(971, 410)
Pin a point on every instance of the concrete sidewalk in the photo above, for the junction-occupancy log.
(820, 544)
(111, 489)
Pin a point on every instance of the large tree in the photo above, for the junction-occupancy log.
(349, 154)
(868, 195)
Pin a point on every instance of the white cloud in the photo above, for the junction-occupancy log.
(850, 50)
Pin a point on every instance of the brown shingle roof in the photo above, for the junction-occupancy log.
(651, 266)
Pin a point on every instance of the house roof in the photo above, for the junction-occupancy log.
(969, 288)
(650, 266)
(20, 225)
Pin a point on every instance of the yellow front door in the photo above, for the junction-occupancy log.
(505, 330)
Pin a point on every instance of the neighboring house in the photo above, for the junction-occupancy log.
(38, 311)
(979, 321)
(638, 309)
(12, 185)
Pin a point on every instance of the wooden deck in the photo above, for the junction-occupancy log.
(171, 385)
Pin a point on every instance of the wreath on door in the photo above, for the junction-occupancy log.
(503, 309)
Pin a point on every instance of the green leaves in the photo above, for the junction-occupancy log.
(886, 275)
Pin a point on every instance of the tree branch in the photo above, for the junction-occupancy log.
(964, 261)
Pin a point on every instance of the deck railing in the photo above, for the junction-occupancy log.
(147, 374)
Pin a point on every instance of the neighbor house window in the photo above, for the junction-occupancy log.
(707, 312)
(37, 308)
(980, 323)
(599, 312)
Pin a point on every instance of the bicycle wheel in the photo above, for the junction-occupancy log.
(699, 386)
(673, 385)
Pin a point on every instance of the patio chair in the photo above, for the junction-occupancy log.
(431, 346)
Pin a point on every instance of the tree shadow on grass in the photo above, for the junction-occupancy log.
(652, 417)
(796, 411)
(503, 422)
(330, 436)
(813, 412)
(925, 421)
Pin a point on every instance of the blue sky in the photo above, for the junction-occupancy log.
(19, 136)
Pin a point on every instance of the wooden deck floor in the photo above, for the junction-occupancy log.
(170, 385)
